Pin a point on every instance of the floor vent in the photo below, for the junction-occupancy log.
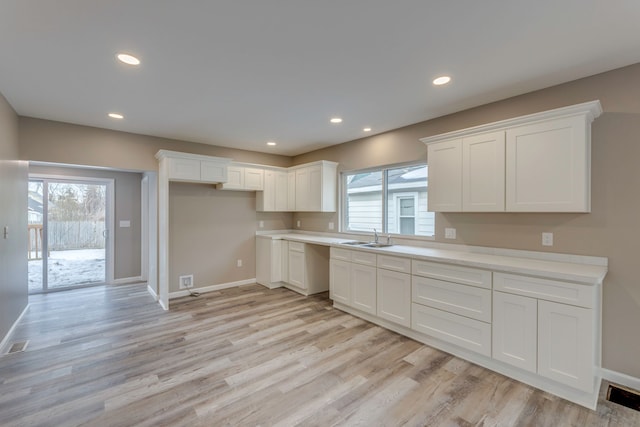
(17, 347)
(624, 397)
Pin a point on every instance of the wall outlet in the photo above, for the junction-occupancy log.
(239, 263)
(547, 239)
(261, 224)
(186, 281)
(331, 226)
(449, 233)
(298, 223)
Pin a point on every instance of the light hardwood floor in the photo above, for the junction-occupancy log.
(247, 356)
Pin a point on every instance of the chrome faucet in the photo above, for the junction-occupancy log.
(375, 235)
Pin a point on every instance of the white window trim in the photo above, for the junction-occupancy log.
(396, 201)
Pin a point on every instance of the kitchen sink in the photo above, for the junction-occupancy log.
(376, 245)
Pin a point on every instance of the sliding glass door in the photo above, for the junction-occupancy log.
(68, 233)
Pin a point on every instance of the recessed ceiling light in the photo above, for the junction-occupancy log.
(116, 116)
(442, 80)
(128, 59)
(271, 143)
(336, 120)
(366, 130)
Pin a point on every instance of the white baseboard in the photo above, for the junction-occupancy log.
(7, 337)
(152, 292)
(621, 379)
(126, 280)
(184, 293)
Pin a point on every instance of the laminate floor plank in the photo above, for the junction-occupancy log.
(249, 356)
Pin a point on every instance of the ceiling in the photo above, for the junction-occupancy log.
(239, 73)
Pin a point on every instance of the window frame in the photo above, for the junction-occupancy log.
(343, 197)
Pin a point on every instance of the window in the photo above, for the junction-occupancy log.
(391, 200)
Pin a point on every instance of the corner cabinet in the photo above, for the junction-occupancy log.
(535, 163)
(315, 187)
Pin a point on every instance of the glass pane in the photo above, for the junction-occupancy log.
(407, 197)
(364, 201)
(75, 231)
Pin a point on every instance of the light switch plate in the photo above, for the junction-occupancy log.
(547, 239)
(298, 224)
(331, 226)
(449, 233)
(125, 224)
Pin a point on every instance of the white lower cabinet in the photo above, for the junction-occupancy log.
(565, 344)
(515, 330)
(363, 288)
(394, 296)
(340, 281)
(296, 265)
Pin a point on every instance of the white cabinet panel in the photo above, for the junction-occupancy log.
(483, 172)
(394, 296)
(366, 258)
(291, 190)
(343, 254)
(243, 178)
(339, 281)
(364, 288)
(281, 191)
(551, 290)
(515, 330)
(302, 189)
(184, 169)
(296, 268)
(273, 197)
(394, 263)
(452, 273)
(464, 300)
(253, 179)
(235, 178)
(212, 172)
(445, 176)
(566, 344)
(548, 166)
(459, 330)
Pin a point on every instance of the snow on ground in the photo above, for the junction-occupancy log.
(69, 268)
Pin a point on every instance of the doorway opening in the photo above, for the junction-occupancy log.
(68, 225)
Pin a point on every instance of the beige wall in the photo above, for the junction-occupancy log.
(13, 214)
(56, 142)
(610, 230)
(127, 206)
(209, 230)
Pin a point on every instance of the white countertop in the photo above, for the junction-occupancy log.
(575, 272)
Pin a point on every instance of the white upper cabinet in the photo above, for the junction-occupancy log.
(315, 187)
(244, 178)
(273, 197)
(548, 166)
(445, 176)
(535, 163)
(483, 172)
(187, 167)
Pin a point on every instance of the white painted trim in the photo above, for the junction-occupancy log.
(152, 292)
(162, 304)
(212, 288)
(621, 379)
(7, 337)
(590, 110)
(126, 280)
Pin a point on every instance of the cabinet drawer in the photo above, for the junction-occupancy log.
(453, 273)
(394, 263)
(365, 258)
(544, 289)
(464, 300)
(343, 254)
(296, 246)
(461, 331)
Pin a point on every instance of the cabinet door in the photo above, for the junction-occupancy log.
(235, 177)
(303, 180)
(515, 330)
(213, 172)
(315, 190)
(296, 268)
(339, 281)
(483, 172)
(548, 166)
(565, 344)
(291, 191)
(394, 297)
(184, 170)
(266, 202)
(281, 192)
(445, 176)
(253, 179)
(364, 288)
